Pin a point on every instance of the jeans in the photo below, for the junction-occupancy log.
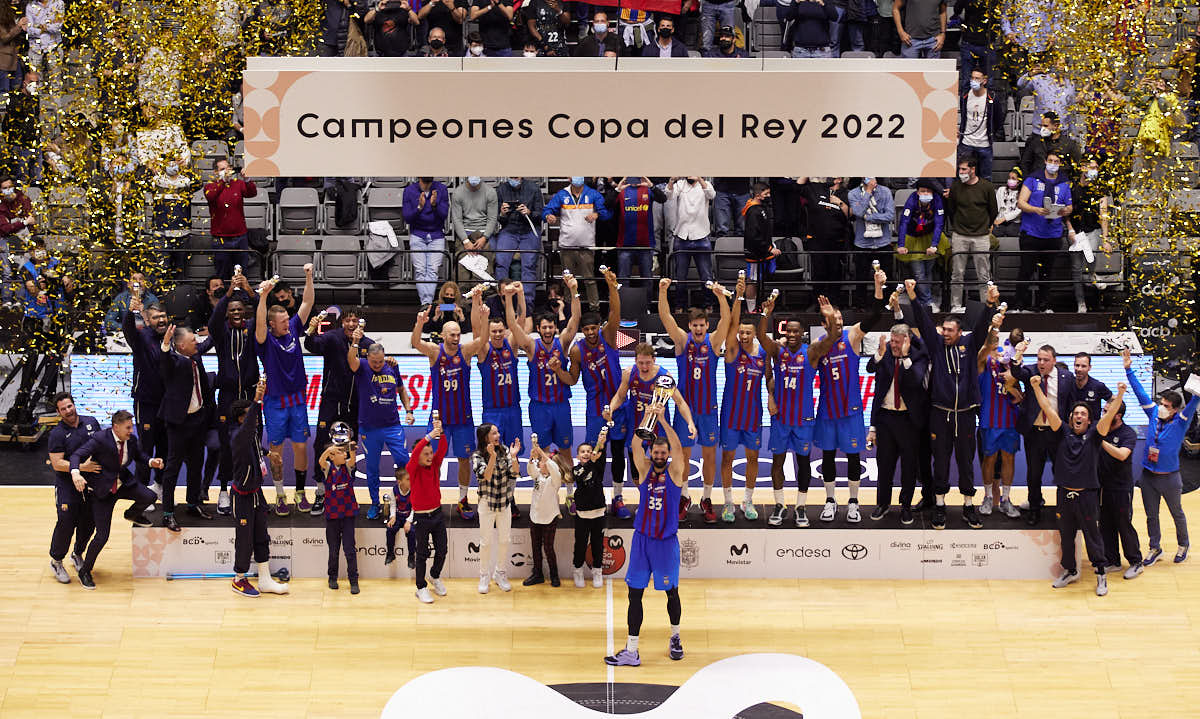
(922, 272)
(971, 57)
(374, 439)
(835, 32)
(812, 52)
(727, 211)
(1037, 264)
(424, 526)
(714, 14)
(229, 251)
(698, 252)
(529, 245)
(493, 525)
(1168, 487)
(920, 48)
(427, 251)
(6, 288)
(983, 159)
(858, 36)
(643, 258)
(979, 248)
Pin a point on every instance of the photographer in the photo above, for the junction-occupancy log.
(391, 22)
(225, 196)
(520, 230)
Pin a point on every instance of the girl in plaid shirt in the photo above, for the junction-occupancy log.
(495, 468)
(340, 510)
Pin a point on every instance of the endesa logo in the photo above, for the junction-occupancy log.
(803, 553)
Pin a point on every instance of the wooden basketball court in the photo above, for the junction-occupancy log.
(153, 648)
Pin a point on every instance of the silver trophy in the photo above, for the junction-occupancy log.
(1004, 307)
(775, 293)
(710, 284)
(237, 270)
(340, 434)
(664, 387)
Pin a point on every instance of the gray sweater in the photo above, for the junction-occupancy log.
(472, 210)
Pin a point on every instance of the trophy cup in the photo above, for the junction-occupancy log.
(340, 434)
(664, 387)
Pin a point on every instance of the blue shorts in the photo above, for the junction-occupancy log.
(551, 423)
(993, 440)
(658, 558)
(847, 434)
(786, 438)
(707, 429)
(595, 423)
(461, 437)
(285, 422)
(507, 420)
(731, 439)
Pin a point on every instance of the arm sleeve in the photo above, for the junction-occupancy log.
(408, 205)
(1143, 399)
(858, 203)
(902, 227)
(553, 206)
(602, 208)
(87, 450)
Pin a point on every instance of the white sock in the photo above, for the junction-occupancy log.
(631, 643)
(854, 489)
(728, 492)
(779, 497)
(802, 500)
(617, 487)
(748, 496)
(830, 487)
(707, 494)
(320, 489)
(1004, 490)
(280, 492)
(968, 501)
(462, 492)
(941, 500)
(674, 630)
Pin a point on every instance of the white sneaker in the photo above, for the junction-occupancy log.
(424, 596)
(830, 510)
(578, 575)
(1066, 578)
(1081, 308)
(852, 514)
(958, 310)
(501, 578)
(267, 583)
(485, 582)
(439, 587)
(157, 490)
(1101, 585)
(1024, 505)
(1008, 510)
(1134, 571)
(986, 507)
(224, 504)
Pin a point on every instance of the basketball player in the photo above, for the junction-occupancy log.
(840, 413)
(549, 391)
(654, 551)
(597, 360)
(639, 380)
(741, 406)
(696, 363)
(285, 412)
(450, 373)
(791, 397)
(999, 405)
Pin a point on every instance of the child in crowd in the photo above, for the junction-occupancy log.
(547, 474)
(588, 478)
(400, 518)
(341, 508)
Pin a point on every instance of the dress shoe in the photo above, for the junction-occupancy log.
(170, 523)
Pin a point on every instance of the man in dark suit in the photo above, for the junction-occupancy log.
(186, 411)
(115, 451)
(666, 45)
(147, 382)
(898, 414)
(1041, 441)
(600, 40)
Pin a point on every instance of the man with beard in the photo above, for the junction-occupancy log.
(1088, 389)
(147, 379)
(74, 514)
(231, 332)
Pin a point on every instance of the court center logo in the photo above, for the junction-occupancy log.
(854, 552)
(689, 554)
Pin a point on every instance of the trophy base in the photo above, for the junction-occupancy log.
(645, 434)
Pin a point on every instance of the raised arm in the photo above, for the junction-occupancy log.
(309, 298)
(735, 317)
(352, 349)
(479, 338)
(619, 396)
(428, 349)
(680, 466)
(857, 330)
(681, 406)
(674, 331)
(260, 314)
(1110, 411)
(722, 324)
(764, 324)
(571, 377)
(921, 314)
(833, 331)
(572, 328)
(520, 337)
(1048, 408)
(1144, 400)
(614, 309)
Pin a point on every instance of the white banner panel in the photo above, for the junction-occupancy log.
(572, 116)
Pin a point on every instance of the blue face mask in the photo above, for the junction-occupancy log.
(925, 199)
(577, 182)
(600, 27)
(474, 181)
(975, 84)
(867, 180)
(514, 182)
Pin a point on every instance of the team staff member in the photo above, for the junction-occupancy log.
(424, 473)
(897, 415)
(654, 551)
(741, 404)
(1041, 443)
(231, 331)
(1116, 497)
(74, 514)
(187, 410)
(1078, 505)
(1169, 421)
(380, 386)
(1086, 388)
(696, 365)
(285, 411)
(339, 396)
(147, 380)
(114, 450)
(250, 508)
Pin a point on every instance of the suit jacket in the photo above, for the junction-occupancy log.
(178, 382)
(912, 381)
(678, 49)
(102, 447)
(1030, 408)
(590, 45)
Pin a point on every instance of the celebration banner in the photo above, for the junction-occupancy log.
(570, 116)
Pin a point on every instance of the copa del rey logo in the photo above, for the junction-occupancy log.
(689, 554)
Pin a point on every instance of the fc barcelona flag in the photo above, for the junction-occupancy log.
(671, 7)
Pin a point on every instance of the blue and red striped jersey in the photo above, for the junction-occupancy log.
(741, 403)
(451, 378)
(697, 367)
(635, 218)
(997, 409)
(841, 395)
(601, 372)
(544, 384)
(658, 509)
(641, 393)
(499, 370)
(794, 387)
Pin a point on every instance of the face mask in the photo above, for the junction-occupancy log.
(964, 176)
(1093, 174)
(437, 44)
(975, 84)
(1012, 184)
(172, 170)
(1046, 132)
(514, 182)
(9, 192)
(33, 88)
(39, 254)
(925, 199)
(476, 50)
(529, 53)
(474, 181)
(1051, 168)
(576, 182)
(666, 32)
(600, 27)
(725, 44)
(1163, 413)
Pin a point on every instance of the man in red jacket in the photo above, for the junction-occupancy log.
(424, 473)
(16, 223)
(225, 197)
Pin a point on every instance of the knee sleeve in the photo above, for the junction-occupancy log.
(618, 460)
(854, 467)
(829, 465)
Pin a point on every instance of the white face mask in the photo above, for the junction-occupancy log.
(33, 88)
(476, 50)
(964, 176)
(1093, 174)
(172, 170)
(1012, 184)
(530, 53)
(1046, 132)
(9, 192)
(226, 174)
(1163, 413)
(1051, 168)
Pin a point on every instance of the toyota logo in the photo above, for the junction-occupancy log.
(854, 551)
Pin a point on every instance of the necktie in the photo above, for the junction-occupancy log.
(1046, 389)
(896, 385)
(196, 383)
(120, 462)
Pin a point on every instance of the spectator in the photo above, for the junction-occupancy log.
(1044, 201)
(828, 209)
(474, 45)
(919, 236)
(811, 20)
(392, 22)
(10, 48)
(520, 222)
(556, 304)
(732, 195)
(577, 207)
(447, 16)
(725, 45)
(495, 25)
(530, 48)
(873, 209)
(225, 196)
(44, 30)
(758, 244)
(1008, 221)
(975, 43)
(691, 241)
(214, 290)
(1052, 90)
(857, 16)
(1087, 227)
(172, 202)
(972, 210)
(633, 204)
(980, 119)
(921, 25)
(447, 309)
(135, 287)
(635, 28)
(474, 208)
(666, 44)
(715, 14)
(1050, 139)
(885, 38)
(21, 130)
(159, 76)
(425, 207)
(336, 27)
(546, 22)
(16, 221)
(1031, 25)
(284, 296)
(601, 41)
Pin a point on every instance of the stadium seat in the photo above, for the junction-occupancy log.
(726, 266)
(384, 203)
(400, 182)
(1006, 268)
(200, 261)
(299, 209)
(767, 35)
(902, 197)
(341, 261)
(331, 226)
(258, 212)
(291, 254)
(634, 302)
